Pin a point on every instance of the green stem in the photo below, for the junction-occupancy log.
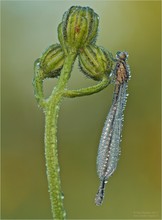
(51, 152)
(89, 90)
(52, 165)
(38, 84)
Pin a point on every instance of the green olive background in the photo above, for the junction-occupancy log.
(133, 192)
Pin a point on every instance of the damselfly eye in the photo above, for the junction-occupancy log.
(122, 55)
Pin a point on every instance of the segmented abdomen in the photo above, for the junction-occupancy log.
(109, 149)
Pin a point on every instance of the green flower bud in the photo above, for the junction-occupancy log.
(51, 61)
(95, 62)
(78, 28)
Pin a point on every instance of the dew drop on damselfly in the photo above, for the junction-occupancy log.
(109, 146)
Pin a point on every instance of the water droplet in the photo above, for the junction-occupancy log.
(64, 214)
(62, 195)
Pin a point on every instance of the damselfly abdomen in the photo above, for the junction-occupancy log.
(109, 146)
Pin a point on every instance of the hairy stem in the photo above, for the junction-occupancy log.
(51, 152)
(52, 165)
(89, 90)
(38, 86)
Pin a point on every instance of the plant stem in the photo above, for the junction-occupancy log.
(89, 90)
(38, 84)
(52, 165)
(51, 152)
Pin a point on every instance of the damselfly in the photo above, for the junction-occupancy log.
(109, 149)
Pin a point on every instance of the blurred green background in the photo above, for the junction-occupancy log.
(28, 28)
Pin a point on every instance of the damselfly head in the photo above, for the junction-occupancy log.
(122, 55)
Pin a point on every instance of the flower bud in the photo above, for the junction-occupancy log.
(51, 61)
(79, 28)
(94, 62)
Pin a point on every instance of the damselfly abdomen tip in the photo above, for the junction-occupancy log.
(100, 194)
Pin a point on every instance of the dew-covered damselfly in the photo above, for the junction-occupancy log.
(109, 146)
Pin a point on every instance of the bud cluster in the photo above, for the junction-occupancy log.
(77, 35)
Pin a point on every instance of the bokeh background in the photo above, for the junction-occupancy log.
(28, 28)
